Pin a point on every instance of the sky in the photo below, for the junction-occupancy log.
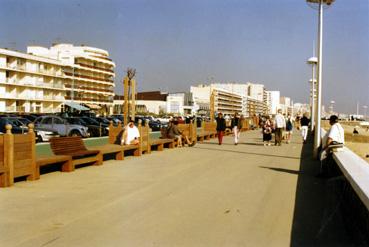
(174, 44)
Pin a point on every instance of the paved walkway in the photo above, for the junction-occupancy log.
(208, 195)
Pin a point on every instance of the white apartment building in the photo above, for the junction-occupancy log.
(274, 103)
(286, 105)
(225, 101)
(89, 74)
(30, 83)
(255, 96)
(175, 102)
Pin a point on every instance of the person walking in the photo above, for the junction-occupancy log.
(267, 131)
(221, 126)
(304, 121)
(289, 127)
(236, 130)
(280, 125)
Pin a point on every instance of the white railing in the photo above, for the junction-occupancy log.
(355, 170)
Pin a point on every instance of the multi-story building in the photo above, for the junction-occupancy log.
(254, 94)
(89, 74)
(225, 101)
(286, 105)
(30, 83)
(274, 104)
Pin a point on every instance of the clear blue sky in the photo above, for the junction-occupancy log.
(177, 43)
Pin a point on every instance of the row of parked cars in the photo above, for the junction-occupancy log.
(47, 126)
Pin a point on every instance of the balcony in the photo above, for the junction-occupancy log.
(93, 89)
(94, 67)
(88, 77)
(85, 99)
(24, 69)
(36, 84)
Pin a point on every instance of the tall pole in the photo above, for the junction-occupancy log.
(212, 106)
(133, 102)
(317, 136)
(126, 100)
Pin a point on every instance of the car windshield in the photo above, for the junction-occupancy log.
(24, 121)
(104, 120)
(76, 121)
(90, 121)
(15, 122)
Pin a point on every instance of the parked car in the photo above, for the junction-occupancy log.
(102, 120)
(100, 126)
(19, 126)
(93, 129)
(61, 126)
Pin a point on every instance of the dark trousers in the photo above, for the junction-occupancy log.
(220, 136)
(278, 135)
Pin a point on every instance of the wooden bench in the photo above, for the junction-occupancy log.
(24, 148)
(17, 156)
(65, 161)
(6, 157)
(161, 143)
(189, 130)
(210, 128)
(74, 147)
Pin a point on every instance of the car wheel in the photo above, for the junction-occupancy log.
(75, 133)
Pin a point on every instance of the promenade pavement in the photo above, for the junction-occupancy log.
(207, 195)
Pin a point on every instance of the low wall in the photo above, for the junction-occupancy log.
(353, 192)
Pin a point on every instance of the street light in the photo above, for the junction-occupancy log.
(331, 107)
(319, 4)
(365, 107)
(313, 61)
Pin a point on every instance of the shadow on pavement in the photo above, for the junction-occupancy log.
(281, 170)
(241, 152)
(316, 220)
(251, 143)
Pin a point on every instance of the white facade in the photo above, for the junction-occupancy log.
(89, 72)
(30, 83)
(274, 97)
(225, 101)
(256, 91)
(237, 88)
(286, 105)
(175, 103)
(153, 106)
(300, 108)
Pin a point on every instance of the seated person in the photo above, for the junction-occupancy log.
(131, 134)
(355, 132)
(336, 134)
(335, 137)
(174, 133)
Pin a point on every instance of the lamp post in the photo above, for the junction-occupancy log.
(365, 107)
(313, 61)
(331, 107)
(320, 4)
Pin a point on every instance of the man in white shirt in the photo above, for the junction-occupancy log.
(336, 134)
(280, 125)
(335, 138)
(131, 134)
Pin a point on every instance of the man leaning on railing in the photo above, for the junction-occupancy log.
(334, 140)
